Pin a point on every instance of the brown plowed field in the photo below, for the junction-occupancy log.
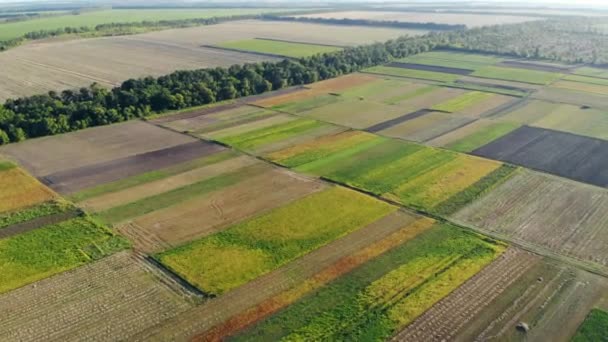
(216, 311)
(207, 214)
(565, 217)
(444, 320)
(142, 191)
(109, 300)
(48, 155)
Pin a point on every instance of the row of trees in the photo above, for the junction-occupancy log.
(70, 110)
(368, 22)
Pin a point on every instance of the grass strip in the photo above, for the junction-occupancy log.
(151, 176)
(483, 137)
(29, 257)
(28, 214)
(475, 191)
(247, 250)
(594, 328)
(176, 196)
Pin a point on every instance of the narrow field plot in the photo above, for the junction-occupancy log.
(592, 72)
(428, 97)
(53, 249)
(220, 120)
(19, 190)
(244, 126)
(560, 95)
(480, 136)
(342, 83)
(594, 328)
(518, 75)
(517, 287)
(569, 118)
(412, 73)
(153, 188)
(221, 178)
(594, 88)
(279, 48)
(565, 217)
(44, 156)
(528, 112)
(383, 295)
(228, 259)
(283, 99)
(463, 102)
(323, 147)
(588, 80)
(181, 223)
(572, 156)
(307, 103)
(113, 298)
(31, 218)
(427, 126)
(222, 316)
(470, 20)
(452, 60)
(356, 113)
(490, 106)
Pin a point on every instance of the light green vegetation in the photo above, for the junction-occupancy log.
(4, 165)
(462, 57)
(584, 79)
(379, 298)
(389, 91)
(451, 60)
(331, 161)
(306, 104)
(568, 118)
(94, 18)
(242, 116)
(411, 73)
(482, 137)
(247, 250)
(28, 214)
(594, 328)
(475, 191)
(409, 95)
(462, 102)
(518, 75)
(31, 256)
(256, 138)
(592, 72)
(151, 176)
(287, 49)
(179, 195)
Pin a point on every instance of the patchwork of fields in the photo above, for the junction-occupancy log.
(382, 205)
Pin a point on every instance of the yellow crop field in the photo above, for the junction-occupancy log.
(18, 190)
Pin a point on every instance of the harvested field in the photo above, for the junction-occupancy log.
(559, 215)
(179, 224)
(412, 73)
(563, 154)
(517, 287)
(477, 136)
(599, 89)
(432, 68)
(427, 127)
(19, 190)
(360, 245)
(383, 295)
(470, 20)
(77, 179)
(41, 67)
(241, 253)
(355, 113)
(279, 48)
(560, 95)
(110, 299)
(517, 75)
(91, 146)
(29, 257)
(139, 192)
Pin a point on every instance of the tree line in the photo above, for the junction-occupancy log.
(368, 22)
(70, 110)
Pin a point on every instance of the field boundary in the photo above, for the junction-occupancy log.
(303, 43)
(396, 121)
(263, 54)
(432, 68)
(535, 66)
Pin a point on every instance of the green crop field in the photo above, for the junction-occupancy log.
(299, 106)
(482, 137)
(462, 57)
(287, 49)
(584, 79)
(245, 251)
(451, 60)
(40, 253)
(31, 213)
(93, 18)
(462, 102)
(411, 73)
(163, 200)
(518, 75)
(377, 299)
(592, 72)
(594, 328)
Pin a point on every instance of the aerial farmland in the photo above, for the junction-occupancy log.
(300, 173)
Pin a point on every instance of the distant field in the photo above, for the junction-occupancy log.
(452, 60)
(286, 49)
(518, 75)
(43, 66)
(94, 18)
(411, 73)
(470, 20)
